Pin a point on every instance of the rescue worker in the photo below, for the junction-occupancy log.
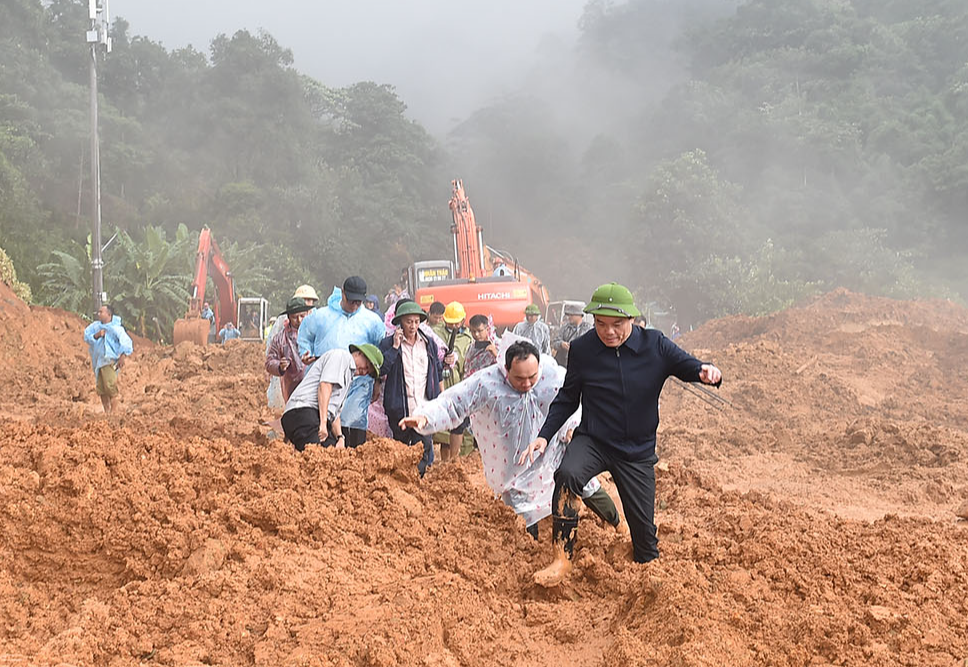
(228, 332)
(412, 369)
(575, 326)
(209, 315)
(283, 360)
(274, 397)
(435, 317)
(506, 404)
(313, 411)
(109, 344)
(534, 330)
(457, 342)
(377, 422)
(616, 376)
(373, 303)
(397, 292)
(344, 322)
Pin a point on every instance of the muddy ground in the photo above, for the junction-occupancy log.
(811, 521)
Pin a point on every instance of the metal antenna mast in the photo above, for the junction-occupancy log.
(97, 37)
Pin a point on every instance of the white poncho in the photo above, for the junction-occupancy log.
(505, 421)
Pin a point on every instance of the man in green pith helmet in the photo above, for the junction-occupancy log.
(615, 373)
(534, 330)
(313, 411)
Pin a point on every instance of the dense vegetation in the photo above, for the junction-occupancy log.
(299, 182)
(719, 160)
(806, 144)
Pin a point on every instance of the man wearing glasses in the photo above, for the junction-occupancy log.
(615, 373)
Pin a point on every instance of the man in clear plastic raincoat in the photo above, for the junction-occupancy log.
(507, 404)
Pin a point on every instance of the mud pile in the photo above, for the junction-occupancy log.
(121, 548)
(849, 403)
(45, 369)
(176, 534)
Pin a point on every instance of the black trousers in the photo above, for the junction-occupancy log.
(354, 436)
(585, 457)
(301, 427)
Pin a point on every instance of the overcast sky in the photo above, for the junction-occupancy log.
(444, 57)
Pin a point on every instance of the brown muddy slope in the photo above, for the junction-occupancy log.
(176, 534)
(851, 403)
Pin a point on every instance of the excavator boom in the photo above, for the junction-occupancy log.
(208, 262)
(468, 237)
(503, 297)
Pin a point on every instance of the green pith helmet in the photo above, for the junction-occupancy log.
(408, 308)
(371, 352)
(532, 309)
(296, 305)
(612, 300)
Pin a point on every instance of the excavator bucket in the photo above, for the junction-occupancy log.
(194, 330)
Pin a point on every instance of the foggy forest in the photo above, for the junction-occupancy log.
(718, 157)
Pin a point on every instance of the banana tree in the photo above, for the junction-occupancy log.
(150, 279)
(66, 280)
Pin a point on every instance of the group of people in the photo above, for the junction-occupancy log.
(545, 426)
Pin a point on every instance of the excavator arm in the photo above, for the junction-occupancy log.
(503, 297)
(468, 237)
(208, 262)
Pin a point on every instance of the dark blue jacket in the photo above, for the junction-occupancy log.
(618, 389)
(394, 389)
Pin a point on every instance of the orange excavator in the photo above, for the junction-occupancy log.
(208, 262)
(486, 281)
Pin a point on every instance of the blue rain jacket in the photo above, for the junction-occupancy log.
(109, 348)
(330, 328)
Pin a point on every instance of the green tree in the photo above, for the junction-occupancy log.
(691, 237)
(150, 279)
(8, 276)
(66, 280)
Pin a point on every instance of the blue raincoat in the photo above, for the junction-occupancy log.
(105, 351)
(331, 328)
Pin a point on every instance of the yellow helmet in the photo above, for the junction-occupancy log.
(454, 313)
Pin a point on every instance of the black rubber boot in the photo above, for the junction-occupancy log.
(603, 506)
(564, 526)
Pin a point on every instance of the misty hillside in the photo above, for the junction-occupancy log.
(720, 157)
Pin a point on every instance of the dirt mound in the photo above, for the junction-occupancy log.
(860, 392)
(811, 521)
(44, 362)
(45, 368)
(120, 547)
